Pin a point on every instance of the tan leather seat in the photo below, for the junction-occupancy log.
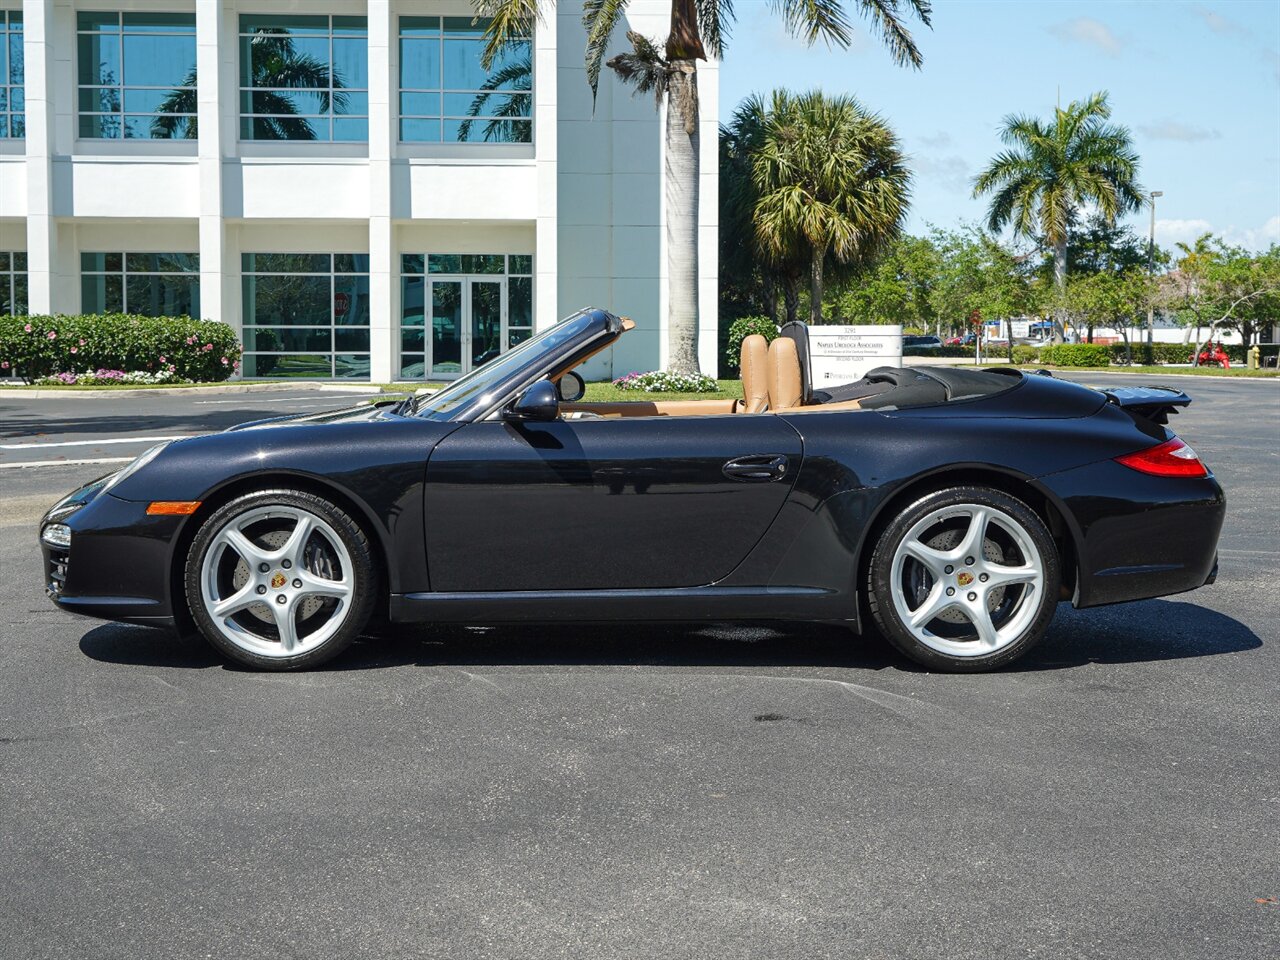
(755, 374)
(785, 390)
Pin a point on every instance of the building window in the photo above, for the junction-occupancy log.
(460, 310)
(12, 101)
(13, 283)
(150, 284)
(306, 315)
(137, 75)
(304, 78)
(446, 96)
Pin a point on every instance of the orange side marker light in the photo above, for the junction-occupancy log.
(172, 508)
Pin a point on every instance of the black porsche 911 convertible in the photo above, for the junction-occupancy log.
(954, 508)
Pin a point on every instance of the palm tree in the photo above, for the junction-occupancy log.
(1051, 171)
(276, 63)
(832, 182)
(668, 69)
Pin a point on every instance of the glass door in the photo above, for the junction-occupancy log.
(486, 329)
(447, 310)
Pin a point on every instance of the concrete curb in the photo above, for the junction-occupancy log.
(1100, 371)
(307, 386)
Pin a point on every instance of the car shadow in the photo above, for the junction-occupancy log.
(1149, 631)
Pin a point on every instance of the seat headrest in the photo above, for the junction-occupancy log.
(785, 388)
(755, 373)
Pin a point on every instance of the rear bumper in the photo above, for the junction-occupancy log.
(1149, 537)
(118, 565)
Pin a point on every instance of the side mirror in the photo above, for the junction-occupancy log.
(539, 403)
(571, 387)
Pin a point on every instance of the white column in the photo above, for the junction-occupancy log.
(42, 230)
(384, 282)
(213, 260)
(546, 308)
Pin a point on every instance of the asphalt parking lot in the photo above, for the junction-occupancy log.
(632, 792)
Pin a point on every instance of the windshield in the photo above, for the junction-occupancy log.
(485, 379)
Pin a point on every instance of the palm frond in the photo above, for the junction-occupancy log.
(645, 68)
(888, 23)
(601, 18)
(515, 77)
(814, 20)
(715, 18)
(510, 21)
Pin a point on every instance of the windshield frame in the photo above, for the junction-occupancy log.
(488, 387)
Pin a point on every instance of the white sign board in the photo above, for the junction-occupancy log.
(840, 355)
(1019, 329)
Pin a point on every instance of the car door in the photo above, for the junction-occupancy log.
(622, 503)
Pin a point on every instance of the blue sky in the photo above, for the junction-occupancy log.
(1197, 83)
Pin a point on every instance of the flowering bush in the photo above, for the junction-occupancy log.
(100, 378)
(183, 348)
(663, 381)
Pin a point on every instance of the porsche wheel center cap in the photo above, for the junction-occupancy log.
(279, 580)
(964, 578)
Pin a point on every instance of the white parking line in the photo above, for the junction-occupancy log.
(61, 463)
(40, 445)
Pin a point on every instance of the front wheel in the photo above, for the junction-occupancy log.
(280, 579)
(965, 579)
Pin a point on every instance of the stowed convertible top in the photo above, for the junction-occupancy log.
(896, 387)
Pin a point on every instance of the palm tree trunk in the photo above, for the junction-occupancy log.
(1060, 288)
(682, 171)
(770, 298)
(816, 255)
(791, 297)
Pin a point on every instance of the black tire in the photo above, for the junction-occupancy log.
(361, 581)
(896, 578)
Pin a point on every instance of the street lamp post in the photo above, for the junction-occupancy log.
(1151, 267)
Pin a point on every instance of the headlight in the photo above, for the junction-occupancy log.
(137, 465)
(56, 535)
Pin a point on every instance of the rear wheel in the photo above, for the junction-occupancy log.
(280, 579)
(965, 579)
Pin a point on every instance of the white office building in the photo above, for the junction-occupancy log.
(341, 181)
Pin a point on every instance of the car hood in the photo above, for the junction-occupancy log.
(352, 414)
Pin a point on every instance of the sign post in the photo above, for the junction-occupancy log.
(843, 354)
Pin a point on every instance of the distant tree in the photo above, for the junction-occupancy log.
(1050, 172)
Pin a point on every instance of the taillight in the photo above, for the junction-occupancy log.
(1170, 459)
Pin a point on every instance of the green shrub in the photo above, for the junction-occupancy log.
(742, 328)
(946, 350)
(187, 349)
(1076, 355)
(1025, 354)
(663, 381)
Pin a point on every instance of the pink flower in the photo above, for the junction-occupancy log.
(207, 347)
(172, 368)
(75, 350)
(27, 328)
(190, 340)
(4, 364)
(82, 343)
(164, 359)
(53, 334)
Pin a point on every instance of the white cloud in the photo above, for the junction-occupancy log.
(948, 171)
(1170, 129)
(1169, 232)
(936, 141)
(1086, 30)
(1217, 22)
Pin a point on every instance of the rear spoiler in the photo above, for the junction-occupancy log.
(1154, 403)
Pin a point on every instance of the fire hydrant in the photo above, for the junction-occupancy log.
(1255, 358)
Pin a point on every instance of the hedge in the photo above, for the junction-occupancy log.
(195, 350)
(1076, 355)
(742, 328)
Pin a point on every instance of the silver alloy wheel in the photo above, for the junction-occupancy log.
(954, 567)
(277, 581)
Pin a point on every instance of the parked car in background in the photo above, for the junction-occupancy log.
(921, 342)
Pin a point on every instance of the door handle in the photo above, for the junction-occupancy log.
(757, 469)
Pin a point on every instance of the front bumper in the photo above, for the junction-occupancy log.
(1145, 536)
(119, 564)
